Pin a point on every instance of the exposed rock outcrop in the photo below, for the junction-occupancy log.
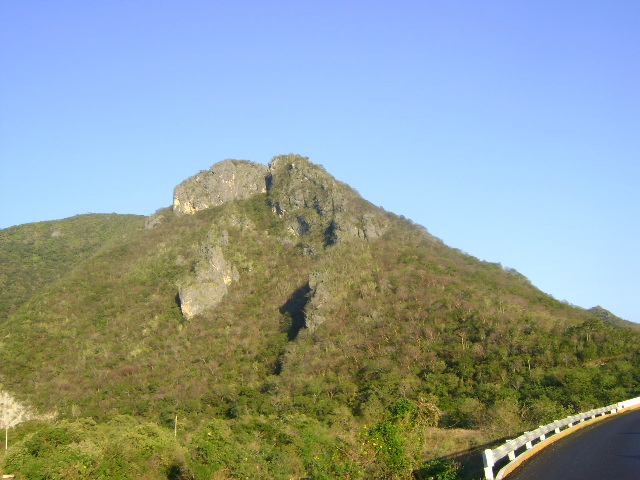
(295, 183)
(307, 305)
(312, 203)
(153, 221)
(224, 182)
(206, 287)
(368, 226)
(317, 297)
(315, 202)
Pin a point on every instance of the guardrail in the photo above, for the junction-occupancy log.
(509, 449)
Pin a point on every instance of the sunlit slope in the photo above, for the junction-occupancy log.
(401, 313)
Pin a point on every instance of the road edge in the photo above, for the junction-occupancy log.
(511, 466)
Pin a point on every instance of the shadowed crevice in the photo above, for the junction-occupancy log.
(294, 309)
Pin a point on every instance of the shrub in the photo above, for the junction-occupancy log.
(439, 470)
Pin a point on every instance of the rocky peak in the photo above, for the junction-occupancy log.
(313, 204)
(310, 199)
(225, 181)
(294, 183)
(313, 200)
(205, 287)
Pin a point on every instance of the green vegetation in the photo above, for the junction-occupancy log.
(423, 352)
(37, 254)
(122, 448)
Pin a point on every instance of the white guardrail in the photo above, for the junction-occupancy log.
(538, 436)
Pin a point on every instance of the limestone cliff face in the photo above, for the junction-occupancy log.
(224, 182)
(207, 285)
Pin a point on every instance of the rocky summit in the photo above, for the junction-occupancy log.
(305, 195)
(295, 187)
(225, 181)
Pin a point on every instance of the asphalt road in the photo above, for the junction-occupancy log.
(605, 450)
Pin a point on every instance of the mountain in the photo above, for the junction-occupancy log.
(283, 327)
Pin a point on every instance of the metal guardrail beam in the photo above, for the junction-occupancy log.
(492, 456)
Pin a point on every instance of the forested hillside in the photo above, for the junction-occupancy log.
(294, 332)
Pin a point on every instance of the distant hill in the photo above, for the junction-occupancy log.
(32, 256)
(293, 329)
(607, 316)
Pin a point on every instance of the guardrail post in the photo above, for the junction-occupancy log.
(487, 459)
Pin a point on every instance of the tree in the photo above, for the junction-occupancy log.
(11, 414)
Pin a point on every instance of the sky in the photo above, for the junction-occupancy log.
(509, 129)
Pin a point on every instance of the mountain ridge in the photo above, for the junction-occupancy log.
(353, 321)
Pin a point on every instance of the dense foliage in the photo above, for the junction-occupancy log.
(424, 351)
(121, 448)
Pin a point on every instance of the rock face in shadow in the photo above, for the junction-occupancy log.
(314, 202)
(319, 295)
(295, 309)
(224, 182)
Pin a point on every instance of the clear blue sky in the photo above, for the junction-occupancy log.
(510, 129)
